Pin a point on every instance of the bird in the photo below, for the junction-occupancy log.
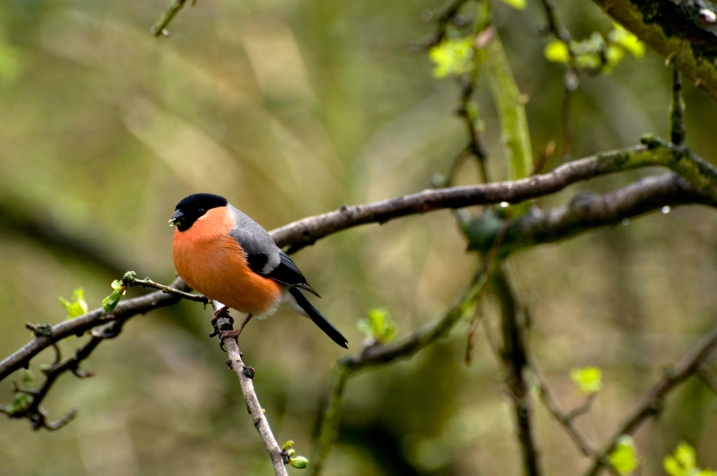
(225, 255)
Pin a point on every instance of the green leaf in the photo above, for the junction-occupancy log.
(379, 325)
(683, 462)
(77, 306)
(587, 379)
(624, 457)
(452, 57)
(110, 302)
(20, 403)
(299, 462)
(27, 378)
(614, 55)
(672, 467)
(557, 51)
(287, 445)
(685, 456)
(627, 40)
(517, 4)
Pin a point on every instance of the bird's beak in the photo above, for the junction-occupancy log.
(176, 218)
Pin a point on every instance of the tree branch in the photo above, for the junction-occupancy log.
(683, 32)
(160, 26)
(584, 212)
(379, 354)
(33, 411)
(708, 377)
(79, 325)
(653, 401)
(279, 458)
(514, 355)
(305, 232)
(566, 419)
(131, 280)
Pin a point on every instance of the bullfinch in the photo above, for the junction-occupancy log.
(228, 257)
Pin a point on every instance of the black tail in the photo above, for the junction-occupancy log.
(319, 318)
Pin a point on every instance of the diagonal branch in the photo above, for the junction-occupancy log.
(305, 232)
(653, 401)
(279, 458)
(377, 355)
(160, 26)
(585, 212)
(79, 325)
(566, 419)
(684, 33)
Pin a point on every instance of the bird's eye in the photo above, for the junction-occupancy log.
(201, 210)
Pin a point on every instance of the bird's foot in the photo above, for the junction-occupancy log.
(231, 333)
(221, 312)
(234, 334)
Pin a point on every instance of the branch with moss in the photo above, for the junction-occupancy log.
(684, 33)
(653, 153)
(586, 211)
(652, 402)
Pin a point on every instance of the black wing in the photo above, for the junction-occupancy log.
(285, 272)
(266, 259)
(262, 254)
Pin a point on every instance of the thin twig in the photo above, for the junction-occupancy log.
(708, 376)
(571, 81)
(33, 411)
(377, 355)
(79, 325)
(245, 375)
(330, 419)
(678, 131)
(443, 18)
(566, 419)
(160, 26)
(554, 23)
(652, 402)
(148, 283)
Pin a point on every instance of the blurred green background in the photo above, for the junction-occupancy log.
(289, 109)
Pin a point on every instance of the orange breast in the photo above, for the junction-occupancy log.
(213, 263)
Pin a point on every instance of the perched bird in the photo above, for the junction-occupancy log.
(228, 257)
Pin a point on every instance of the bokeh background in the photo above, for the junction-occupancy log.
(292, 108)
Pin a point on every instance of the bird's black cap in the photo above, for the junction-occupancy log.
(194, 206)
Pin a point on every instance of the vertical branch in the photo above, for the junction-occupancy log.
(515, 360)
(329, 428)
(511, 111)
(570, 83)
(279, 458)
(571, 80)
(677, 111)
